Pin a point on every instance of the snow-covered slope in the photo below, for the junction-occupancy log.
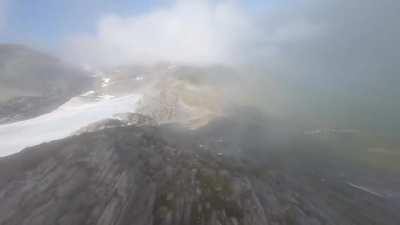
(71, 116)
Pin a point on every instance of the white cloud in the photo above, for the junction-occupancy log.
(199, 32)
(306, 37)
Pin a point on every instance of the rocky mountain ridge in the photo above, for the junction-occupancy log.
(170, 175)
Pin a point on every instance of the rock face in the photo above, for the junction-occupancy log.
(121, 120)
(175, 99)
(130, 178)
(171, 176)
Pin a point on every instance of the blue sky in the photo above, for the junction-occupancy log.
(47, 22)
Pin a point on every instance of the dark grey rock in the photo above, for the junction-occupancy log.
(157, 175)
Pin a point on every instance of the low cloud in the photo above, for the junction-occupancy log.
(198, 32)
(308, 40)
(189, 32)
(337, 58)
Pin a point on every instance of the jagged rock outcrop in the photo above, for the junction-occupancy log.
(120, 120)
(174, 99)
(126, 176)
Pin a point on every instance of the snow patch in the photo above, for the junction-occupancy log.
(88, 93)
(105, 82)
(106, 97)
(62, 122)
(365, 189)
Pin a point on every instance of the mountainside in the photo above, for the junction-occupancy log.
(33, 83)
(226, 173)
(176, 145)
(165, 93)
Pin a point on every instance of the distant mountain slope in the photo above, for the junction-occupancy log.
(32, 83)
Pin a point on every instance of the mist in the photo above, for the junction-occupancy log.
(336, 61)
(331, 64)
(214, 112)
(186, 32)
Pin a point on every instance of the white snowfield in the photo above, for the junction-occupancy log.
(62, 122)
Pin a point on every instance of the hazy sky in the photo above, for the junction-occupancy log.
(342, 36)
(48, 22)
